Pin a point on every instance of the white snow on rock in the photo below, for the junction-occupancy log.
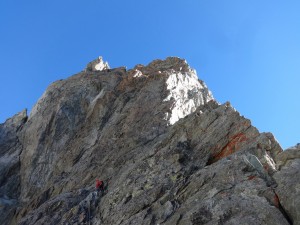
(97, 65)
(187, 93)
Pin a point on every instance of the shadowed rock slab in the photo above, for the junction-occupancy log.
(10, 150)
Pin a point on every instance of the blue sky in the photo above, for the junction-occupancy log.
(247, 52)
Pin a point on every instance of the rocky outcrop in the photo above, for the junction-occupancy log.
(10, 150)
(288, 180)
(97, 65)
(166, 150)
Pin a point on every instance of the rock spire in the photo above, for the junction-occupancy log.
(97, 65)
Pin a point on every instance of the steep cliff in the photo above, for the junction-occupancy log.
(168, 153)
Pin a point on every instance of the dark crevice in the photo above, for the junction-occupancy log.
(210, 160)
(78, 157)
(146, 206)
(283, 212)
(149, 214)
(128, 199)
(105, 119)
(153, 220)
(180, 217)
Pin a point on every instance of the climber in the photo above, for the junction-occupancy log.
(99, 185)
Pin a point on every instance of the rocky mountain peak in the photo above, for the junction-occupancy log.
(97, 65)
(167, 152)
(169, 64)
(184, 88)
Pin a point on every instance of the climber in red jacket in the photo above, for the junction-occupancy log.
(99, 185)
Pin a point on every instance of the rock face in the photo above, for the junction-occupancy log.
(167, 151)
(10, 150)
(288, 180)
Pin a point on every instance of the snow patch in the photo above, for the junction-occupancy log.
(187, 93)
(138, 73)
(101, 65)
(97, 65)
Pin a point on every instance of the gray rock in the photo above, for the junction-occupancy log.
(286, 156)
(97, 65)
(10, 150)
(288, 180)
(167, 151)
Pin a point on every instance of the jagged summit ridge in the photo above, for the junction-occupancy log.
(186, 91)
(167, 151)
